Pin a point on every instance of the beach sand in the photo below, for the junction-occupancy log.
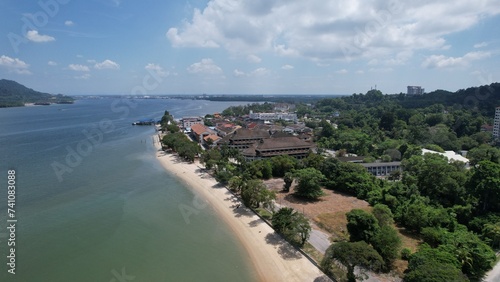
(272, 257)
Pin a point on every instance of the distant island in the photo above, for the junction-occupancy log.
(13, 94)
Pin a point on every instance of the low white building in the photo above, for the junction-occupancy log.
(382, 169)
(452, 156)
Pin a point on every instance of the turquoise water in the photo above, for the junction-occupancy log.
(104, 209)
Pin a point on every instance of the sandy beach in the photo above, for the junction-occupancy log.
(272, 257)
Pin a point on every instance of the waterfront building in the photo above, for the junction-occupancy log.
(188, 122)
(277, 146)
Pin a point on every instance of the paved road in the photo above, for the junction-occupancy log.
(319, 240)
(494, 274)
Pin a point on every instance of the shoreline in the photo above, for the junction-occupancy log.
(272, 258)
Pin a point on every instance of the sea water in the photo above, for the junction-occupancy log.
(92, 203)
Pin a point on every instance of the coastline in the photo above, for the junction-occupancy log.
(272, 257)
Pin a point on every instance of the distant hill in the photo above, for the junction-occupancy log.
(13, 94)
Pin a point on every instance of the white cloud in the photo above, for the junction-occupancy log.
(253, 58)
(91, 61)
(342, 71)
(107, 64)
(287, 67)
(76, 67)
(332, 30)
(260, 72)
(83, 76)
(441, 61)
(480, 45)
(14, 65)
(157, 69)
(51, 63)
(237, 72)
(69, 23)
(360, 72)
(205, 66)
(34, 36)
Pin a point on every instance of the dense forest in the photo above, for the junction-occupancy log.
(13, 94)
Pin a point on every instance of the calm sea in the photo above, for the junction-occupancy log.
(93, 203)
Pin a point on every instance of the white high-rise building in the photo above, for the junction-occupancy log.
(496, 124)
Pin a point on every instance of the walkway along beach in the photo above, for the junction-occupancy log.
(273, 258)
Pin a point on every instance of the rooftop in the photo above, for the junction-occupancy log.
(199, 129)
(452, 156)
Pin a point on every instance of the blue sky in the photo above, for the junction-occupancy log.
(248, 47)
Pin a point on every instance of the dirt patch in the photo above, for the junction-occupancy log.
(331, 202)
(328, 212)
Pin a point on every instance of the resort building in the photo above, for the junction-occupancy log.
(382, 169)
(277, 146)
(211, 140)
(244, 138)
(226, 128)
(259, 144)
(496, 124)
(415, 90)
(199, 132)
(188, 122)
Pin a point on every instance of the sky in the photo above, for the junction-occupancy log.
(151, 47)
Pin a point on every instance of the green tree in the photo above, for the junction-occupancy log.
(172, 128)
(354, 179)
(492, 232)
(260, 169)
(484, 153)
(351, 255)
(432, 265)
(362, 226)
(313, 161)
(475, 256)
(383, 214)
(292, 225)
(309, 183)
(327, 129)
(210, 158)
(235, 183)
(442, 182)
(254, 192)
(388, 244)
(283, 164)
(484, 184)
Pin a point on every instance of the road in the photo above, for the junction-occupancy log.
(494, 274)
(319, 240)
